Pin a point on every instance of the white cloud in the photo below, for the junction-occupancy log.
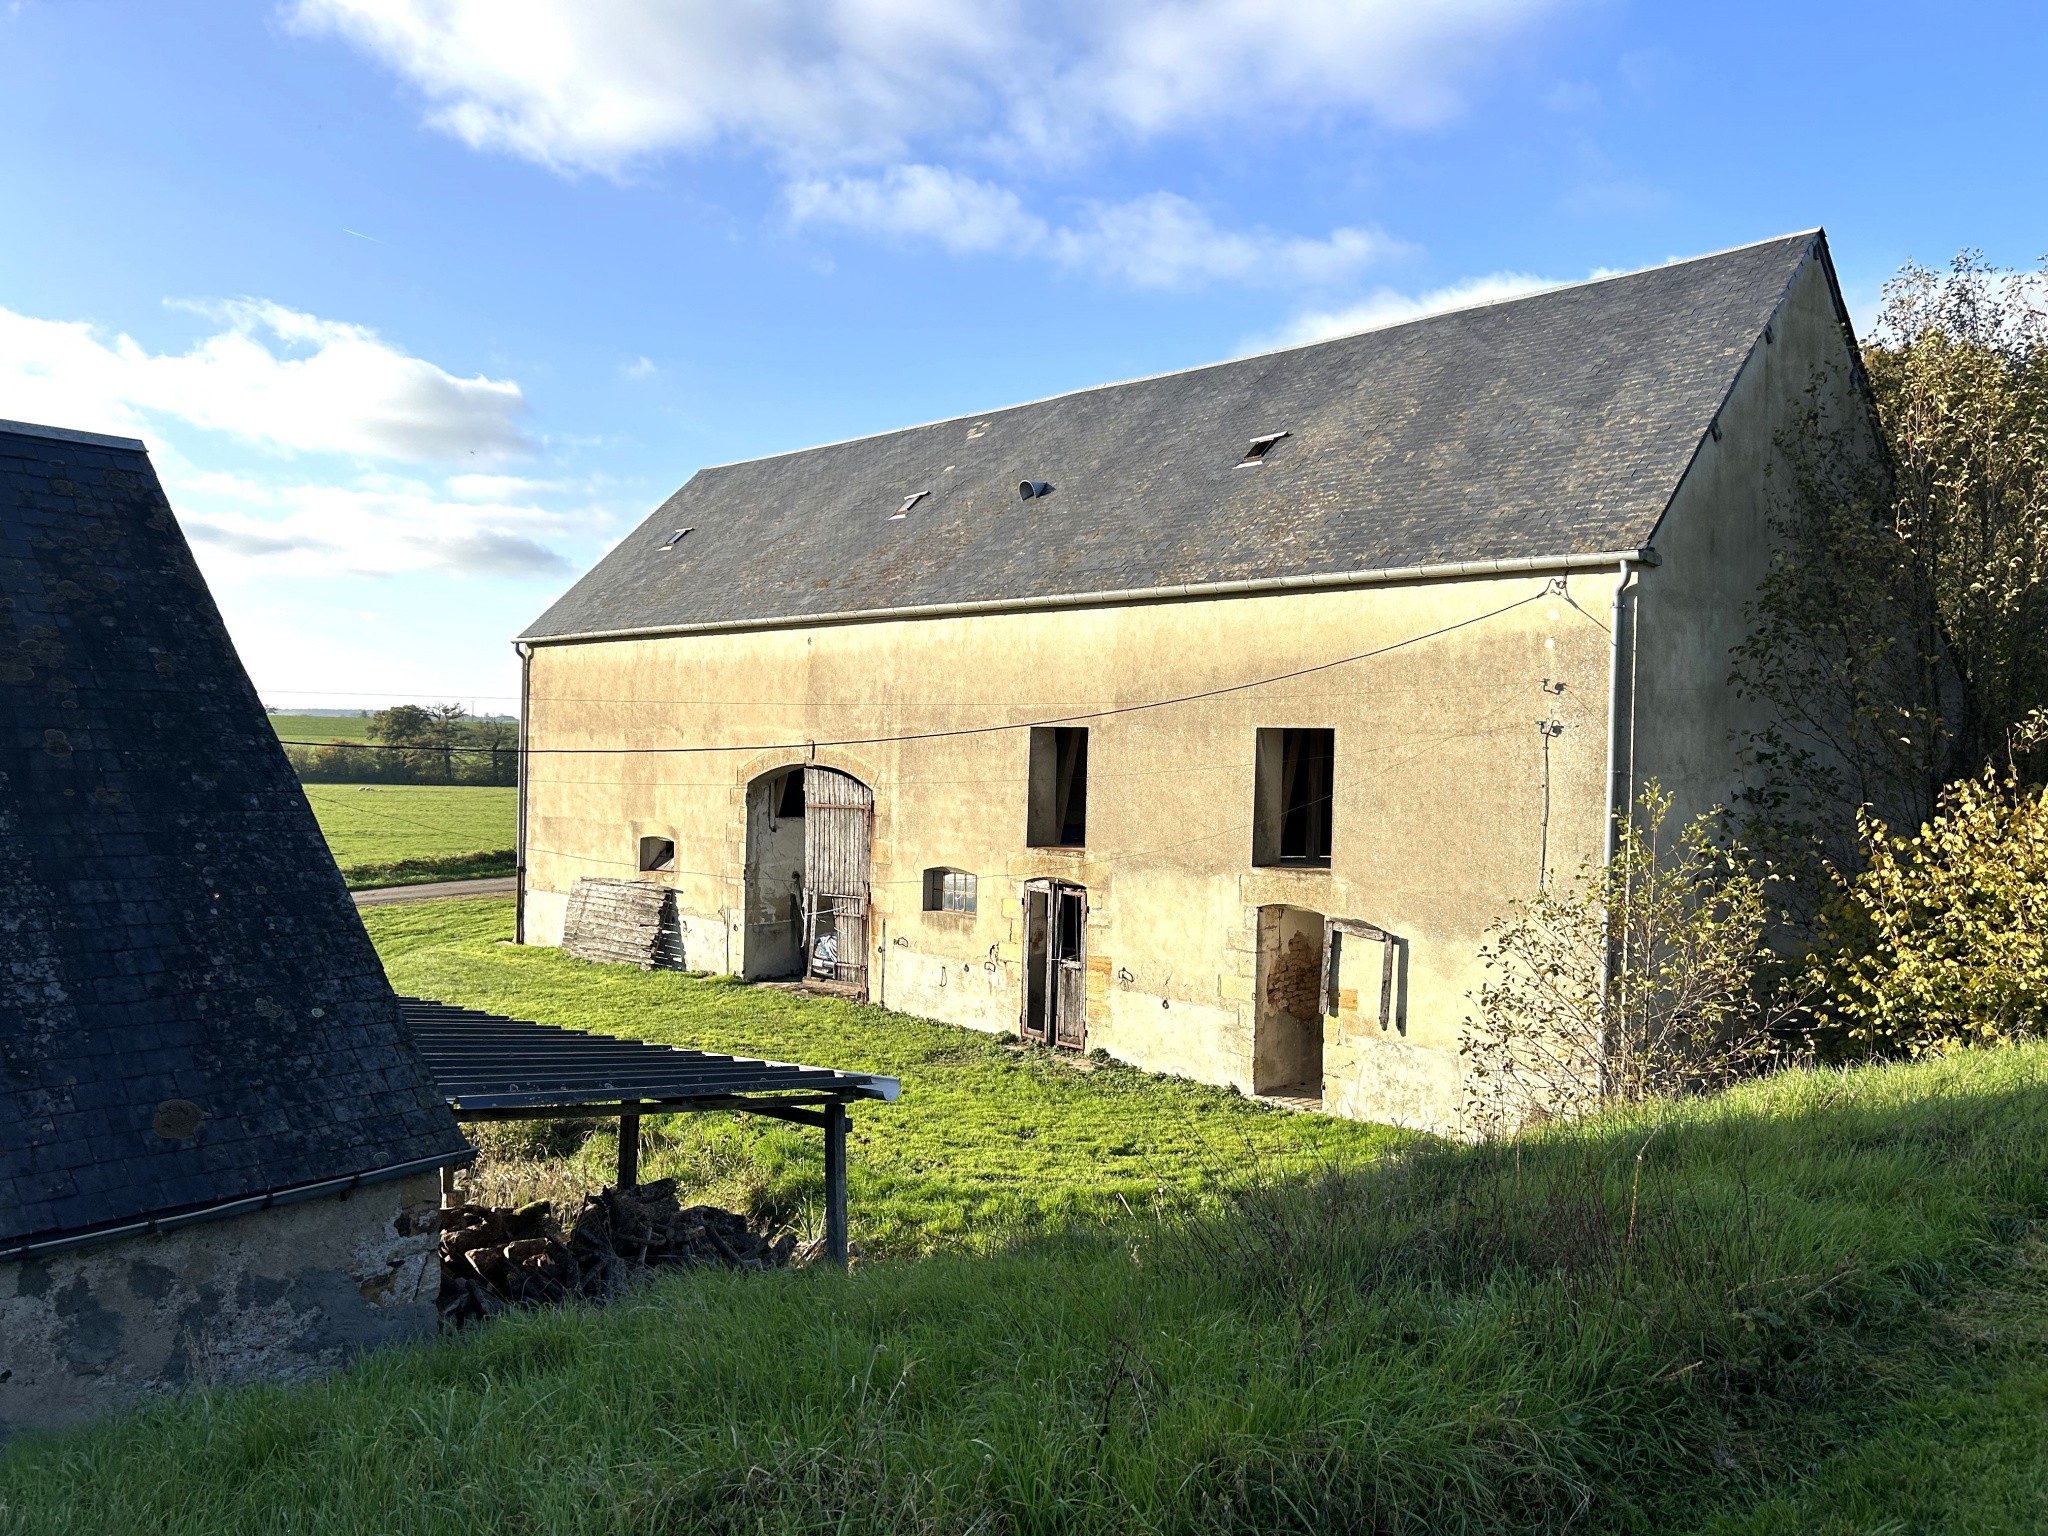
(272, 381)
(1386, 307)
(1157, 241)
(923, 202)
(270, 376)
(373, 526)
(1165, 241)
(595, 85)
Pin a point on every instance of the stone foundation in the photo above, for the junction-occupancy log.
(281, 1294)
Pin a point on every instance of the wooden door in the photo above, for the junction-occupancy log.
(839, 831)
(1055, 965)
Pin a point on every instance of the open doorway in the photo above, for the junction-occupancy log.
(1055, 964)
(1287, 1034)
(772, 944)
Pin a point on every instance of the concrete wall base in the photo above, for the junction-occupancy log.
(282, 1294)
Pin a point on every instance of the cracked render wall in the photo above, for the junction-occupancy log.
(281, 1294)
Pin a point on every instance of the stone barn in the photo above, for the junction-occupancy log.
(1207, 719)
(218, 1144)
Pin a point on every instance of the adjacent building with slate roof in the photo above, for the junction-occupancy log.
(216, 1135)
(1209, 719)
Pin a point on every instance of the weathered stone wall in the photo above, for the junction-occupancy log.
(280, 1294)
(1467, 765)
(1439, 790)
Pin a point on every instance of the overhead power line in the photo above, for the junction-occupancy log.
(975, 730)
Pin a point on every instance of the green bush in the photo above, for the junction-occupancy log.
(1942, 940)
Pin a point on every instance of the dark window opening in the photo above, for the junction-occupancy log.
(789, 803)
(949, 890)
(1261, 446)
(1294, 791)
(676, 538)
(1058, 810)
(656, 854)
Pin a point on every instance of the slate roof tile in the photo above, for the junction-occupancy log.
(1559, 423)
(140, 933)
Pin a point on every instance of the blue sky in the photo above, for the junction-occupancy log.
(421, 304)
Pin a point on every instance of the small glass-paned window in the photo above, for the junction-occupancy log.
(657, 853)
(949, 890)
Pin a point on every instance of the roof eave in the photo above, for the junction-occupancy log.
(15, 1250)
(1266, 586)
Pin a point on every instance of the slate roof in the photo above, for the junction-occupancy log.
(172, 926)
(1554, 424)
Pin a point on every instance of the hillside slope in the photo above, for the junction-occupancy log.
(1812, 1304)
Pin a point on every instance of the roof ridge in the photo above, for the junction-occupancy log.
(69, 435)
(1227, 362)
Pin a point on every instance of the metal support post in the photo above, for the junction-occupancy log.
(629, 1146)
(835, 1184)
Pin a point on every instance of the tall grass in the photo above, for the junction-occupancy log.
(1627, 1325)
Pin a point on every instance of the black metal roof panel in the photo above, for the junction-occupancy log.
(487, 1062)
(1555, 424)
(173, 930)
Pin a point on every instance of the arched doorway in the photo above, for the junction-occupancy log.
(810, 840)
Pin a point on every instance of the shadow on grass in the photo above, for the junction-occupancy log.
(1618, 1326)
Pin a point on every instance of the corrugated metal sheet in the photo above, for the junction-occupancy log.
(484, 1062)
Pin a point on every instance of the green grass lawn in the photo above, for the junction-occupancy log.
(1104, 1302)
(396, 834)
(990, 1145)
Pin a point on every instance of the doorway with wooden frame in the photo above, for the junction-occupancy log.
(1055, 965)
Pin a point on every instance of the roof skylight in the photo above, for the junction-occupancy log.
(1261, 446)
(676, 538)
(908, 502)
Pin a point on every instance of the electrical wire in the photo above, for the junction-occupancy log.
(1015, 725)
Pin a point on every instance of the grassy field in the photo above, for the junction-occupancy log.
(398, 834)
(1106, 1302)
(322, 728)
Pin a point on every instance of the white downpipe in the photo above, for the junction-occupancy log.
(1617, 798)
(525, 652)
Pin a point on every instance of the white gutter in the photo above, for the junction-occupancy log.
(1380, 576)
(153, 1226)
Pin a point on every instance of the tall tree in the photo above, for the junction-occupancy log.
(1903, 633)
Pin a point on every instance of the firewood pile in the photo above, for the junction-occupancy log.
(497, 1257)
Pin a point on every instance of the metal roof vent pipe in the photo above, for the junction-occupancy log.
(1030, 488)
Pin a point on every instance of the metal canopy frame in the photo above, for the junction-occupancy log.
(490, 1067)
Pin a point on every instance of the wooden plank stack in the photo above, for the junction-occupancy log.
(624, 922)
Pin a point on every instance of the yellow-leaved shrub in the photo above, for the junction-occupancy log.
(1943, 938)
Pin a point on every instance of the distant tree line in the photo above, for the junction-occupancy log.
(414, 744)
